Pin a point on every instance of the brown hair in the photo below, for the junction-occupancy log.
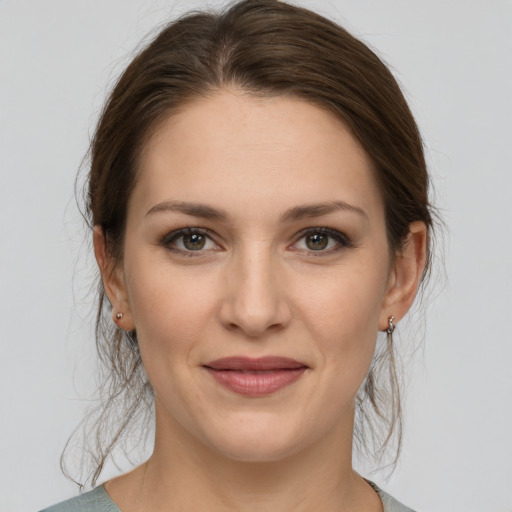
(263, 47)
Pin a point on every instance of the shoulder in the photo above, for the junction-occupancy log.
(389, 503)
(96, 500)
(392, 505)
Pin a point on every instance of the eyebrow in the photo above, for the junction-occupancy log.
(192, 209)
(317, 210)
(293, 214)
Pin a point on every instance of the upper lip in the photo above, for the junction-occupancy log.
(242, 363)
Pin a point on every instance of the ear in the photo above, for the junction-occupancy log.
(405, 275)
(113, 282)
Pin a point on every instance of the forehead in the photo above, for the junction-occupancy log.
(251, 150)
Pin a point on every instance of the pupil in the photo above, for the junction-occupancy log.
(194, 241)
(317, 241)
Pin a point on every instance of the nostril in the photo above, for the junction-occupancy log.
(253, 330)
(253, 301)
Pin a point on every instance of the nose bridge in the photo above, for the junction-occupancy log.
(255, 299)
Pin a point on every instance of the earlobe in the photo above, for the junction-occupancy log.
(405, 276)
(113, 282)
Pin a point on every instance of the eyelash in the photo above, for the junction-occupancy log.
(341, 240)
(170, 239)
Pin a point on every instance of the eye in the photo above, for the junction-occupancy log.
(321, 240)
(189, 240)
(317, 241)
(192, 241)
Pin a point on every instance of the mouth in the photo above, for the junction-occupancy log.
(255, 377)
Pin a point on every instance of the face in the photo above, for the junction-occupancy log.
(256, 272)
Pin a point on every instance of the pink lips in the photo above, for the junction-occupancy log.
(255, 377)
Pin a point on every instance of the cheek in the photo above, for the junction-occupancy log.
(172, 310)
(171, 306)
(342, 313)
(346, 303)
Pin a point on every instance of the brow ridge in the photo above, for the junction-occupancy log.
(317, 210)
(293, 214)
(193, 209)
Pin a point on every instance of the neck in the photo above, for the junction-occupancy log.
(184, 474)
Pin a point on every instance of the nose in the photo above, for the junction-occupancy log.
(254, 298)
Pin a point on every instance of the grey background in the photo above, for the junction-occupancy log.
(452, 58)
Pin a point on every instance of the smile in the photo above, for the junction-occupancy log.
(255, 377)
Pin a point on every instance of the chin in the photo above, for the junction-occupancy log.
(256, 440)
(257, 450)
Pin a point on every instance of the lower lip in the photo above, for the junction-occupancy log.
(256, 383)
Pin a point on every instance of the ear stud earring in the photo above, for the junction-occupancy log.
(119, 316)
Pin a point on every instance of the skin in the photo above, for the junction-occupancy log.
(256, 288)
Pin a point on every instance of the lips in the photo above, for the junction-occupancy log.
(255, 377)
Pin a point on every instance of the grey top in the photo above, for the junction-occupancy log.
(98, 500)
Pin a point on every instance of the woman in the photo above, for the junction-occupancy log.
(258, 199)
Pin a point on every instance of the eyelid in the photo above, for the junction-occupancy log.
(168, 239)
(343, 241)
(341, 238)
